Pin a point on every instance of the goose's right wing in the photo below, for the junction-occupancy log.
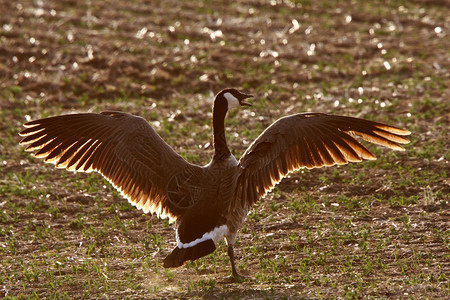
(308, 140)
(123, 148)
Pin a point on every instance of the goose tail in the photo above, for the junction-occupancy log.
(180, 255)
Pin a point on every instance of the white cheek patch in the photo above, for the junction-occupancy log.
(216, 235)
(232, 100)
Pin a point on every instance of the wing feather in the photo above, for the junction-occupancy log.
(123, 148)
(308, 140)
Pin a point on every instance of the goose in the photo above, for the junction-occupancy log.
(207, 203)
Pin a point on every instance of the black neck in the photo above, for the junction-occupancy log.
(220, 109)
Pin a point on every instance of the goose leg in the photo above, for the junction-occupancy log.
(235, 275)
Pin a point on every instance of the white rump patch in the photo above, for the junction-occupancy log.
(232, 100)
(216, 235)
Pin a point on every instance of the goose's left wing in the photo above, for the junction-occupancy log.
(308, 140)
(123, 148)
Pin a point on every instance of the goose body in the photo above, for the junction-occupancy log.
(207, 203)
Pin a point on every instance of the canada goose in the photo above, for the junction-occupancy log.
(207, 203)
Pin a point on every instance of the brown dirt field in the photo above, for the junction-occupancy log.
(371, 230)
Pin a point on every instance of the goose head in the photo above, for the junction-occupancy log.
(225, 100)
(231, 98)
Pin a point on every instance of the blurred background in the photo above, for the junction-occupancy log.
(165, 60)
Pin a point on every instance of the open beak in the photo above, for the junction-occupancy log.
(245, 96)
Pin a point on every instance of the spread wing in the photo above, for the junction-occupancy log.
(123, 148)
(308, 140)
